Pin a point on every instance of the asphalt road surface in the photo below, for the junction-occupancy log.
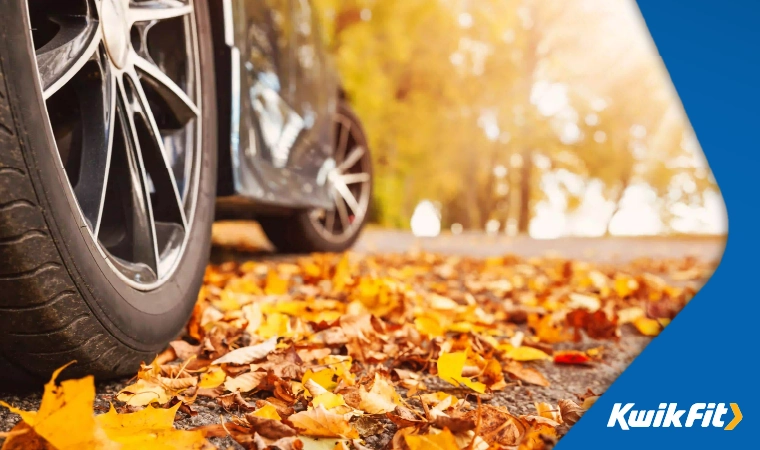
(566, 382)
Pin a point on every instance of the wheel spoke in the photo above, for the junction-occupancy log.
(330, 220)
(342, 214)
(340, 151)
(352, 178)
(348, 196)
(98, 117)
(61, 58)
(169, 206)
(158, 10)
(142, 226)
(181, 105)
(352, 158)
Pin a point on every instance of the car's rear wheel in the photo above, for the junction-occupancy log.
(107, 179)
(335, 229)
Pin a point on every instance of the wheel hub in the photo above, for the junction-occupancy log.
(115, 31)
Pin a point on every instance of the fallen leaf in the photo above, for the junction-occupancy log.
(439, 441)
(526, 354)
(245, 382)
(571, 357)
(65, 421)
(213, 378)
(570, 411)
(450, 366)
(247, 355)
(149, 428)
(647, 326)
(143, 392)
(527, 374)
(319, 422)
(380, 399)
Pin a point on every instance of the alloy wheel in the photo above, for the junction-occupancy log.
(351, 184)
(120, 80)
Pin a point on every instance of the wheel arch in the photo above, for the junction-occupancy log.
(223, 69)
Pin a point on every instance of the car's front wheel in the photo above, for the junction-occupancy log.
(107, 179)
(335, 229)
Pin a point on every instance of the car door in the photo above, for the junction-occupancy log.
(277, 154)
(314, 94)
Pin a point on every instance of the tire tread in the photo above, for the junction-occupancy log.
(44, 321)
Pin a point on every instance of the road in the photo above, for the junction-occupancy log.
(565, 383)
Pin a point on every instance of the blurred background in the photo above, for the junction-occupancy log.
(546, 118)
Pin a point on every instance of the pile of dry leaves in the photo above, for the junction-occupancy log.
(329, 350)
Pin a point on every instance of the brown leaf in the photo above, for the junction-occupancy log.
(497, 426)
(404, 417)
(270, 428)
(570, 411)
(527, 374)
(184, 350)
(456, 424)
(245, 382)
(230, 401)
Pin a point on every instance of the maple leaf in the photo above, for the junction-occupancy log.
(65, 421)
(149, 428)
(71, 402)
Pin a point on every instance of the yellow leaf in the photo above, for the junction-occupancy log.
(450, 366)
(647, 326)
(322, 377)
(428, 326)
(151, 428)
(526, 354)
(65, 420)
(342, 272)
(441, 441)
(319, 422)
(143, 392)
(276, 324)
(341, 365)
(65, 416)
(275, 285)
(328, 400)
(268, 411)
(213, 378)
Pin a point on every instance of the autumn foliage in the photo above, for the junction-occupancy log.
(340, 348)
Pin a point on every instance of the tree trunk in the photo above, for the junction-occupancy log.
(617, 206)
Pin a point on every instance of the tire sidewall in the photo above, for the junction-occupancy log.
(143, 320)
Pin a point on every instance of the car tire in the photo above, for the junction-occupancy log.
(61, 299)
(301, 232)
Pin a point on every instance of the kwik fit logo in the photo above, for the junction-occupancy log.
(669, 415)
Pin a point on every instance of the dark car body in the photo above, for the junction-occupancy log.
(277, 94)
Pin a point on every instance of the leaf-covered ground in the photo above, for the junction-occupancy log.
(406, 351)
